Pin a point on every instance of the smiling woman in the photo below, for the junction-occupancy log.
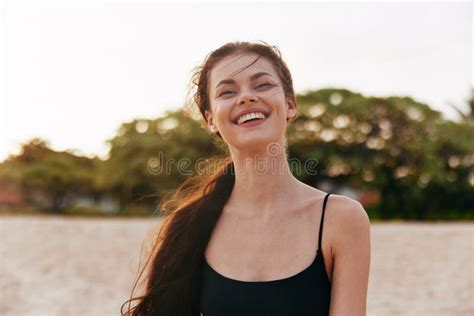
(248, 84)
(248, 239)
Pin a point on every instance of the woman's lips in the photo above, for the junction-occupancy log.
(253, 123)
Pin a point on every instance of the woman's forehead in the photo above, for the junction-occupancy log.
(243, 65)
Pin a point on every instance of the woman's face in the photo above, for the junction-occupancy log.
(234, 90)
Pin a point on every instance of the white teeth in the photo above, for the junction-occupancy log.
(249, 116)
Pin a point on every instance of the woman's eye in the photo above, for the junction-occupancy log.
(226, 92)
(263, 85)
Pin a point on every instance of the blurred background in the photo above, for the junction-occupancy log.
(91, 110)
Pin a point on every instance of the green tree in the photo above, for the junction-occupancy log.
(150, 157)
(395, 145)
(48, 178)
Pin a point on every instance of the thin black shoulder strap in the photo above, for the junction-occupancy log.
(322, 220)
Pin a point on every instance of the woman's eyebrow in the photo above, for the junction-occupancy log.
(252, 77)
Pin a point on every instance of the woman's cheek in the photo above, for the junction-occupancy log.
(223, 111)
(274, 95)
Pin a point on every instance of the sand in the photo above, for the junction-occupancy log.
(78, 266)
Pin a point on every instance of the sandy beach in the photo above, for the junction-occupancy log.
(78, 266)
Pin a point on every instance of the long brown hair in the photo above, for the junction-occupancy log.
(190, 215)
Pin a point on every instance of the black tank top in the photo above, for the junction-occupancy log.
(305, 293)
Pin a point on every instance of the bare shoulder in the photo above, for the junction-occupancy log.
(347, 220)
(350, 249)
(346, 210)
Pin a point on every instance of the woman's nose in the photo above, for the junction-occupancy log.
(247, 96)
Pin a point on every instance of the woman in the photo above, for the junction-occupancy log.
(248, 240)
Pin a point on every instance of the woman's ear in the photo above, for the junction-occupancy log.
(210, 122)
(291, 109)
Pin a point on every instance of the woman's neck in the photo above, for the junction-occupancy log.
(263, 183)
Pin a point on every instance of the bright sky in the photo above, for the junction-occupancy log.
(73, 72)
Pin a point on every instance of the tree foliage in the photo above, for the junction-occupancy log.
(420, 163)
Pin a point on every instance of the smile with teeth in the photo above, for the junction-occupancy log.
(250, 116)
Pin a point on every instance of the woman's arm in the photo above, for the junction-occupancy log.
(351, 258)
